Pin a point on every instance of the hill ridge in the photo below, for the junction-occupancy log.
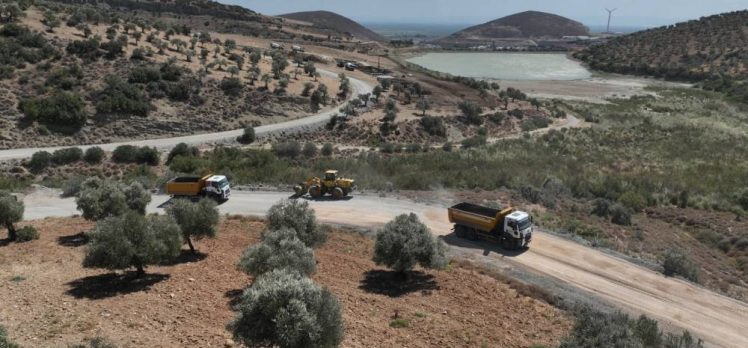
(328, 20)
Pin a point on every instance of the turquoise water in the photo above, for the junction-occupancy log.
(505, 66)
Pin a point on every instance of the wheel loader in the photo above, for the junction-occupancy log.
(331, 184)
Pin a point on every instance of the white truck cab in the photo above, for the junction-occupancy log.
(218, 186)
(520, 225)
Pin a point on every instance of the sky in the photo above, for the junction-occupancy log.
(591, 12)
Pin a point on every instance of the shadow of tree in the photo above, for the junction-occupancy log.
(75, 240)
(186, 256)
(4, 242)
(393, 284)
(111, 284)
(235, 297)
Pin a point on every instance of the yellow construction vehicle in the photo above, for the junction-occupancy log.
(331, 184)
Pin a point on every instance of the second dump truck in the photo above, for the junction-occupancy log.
(213, 186)
(509, 227)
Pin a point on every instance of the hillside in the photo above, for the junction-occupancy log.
(524, 25)
(336, 23)
(711, 50)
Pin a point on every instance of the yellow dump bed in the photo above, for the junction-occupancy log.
(478, 217)
(186, 185)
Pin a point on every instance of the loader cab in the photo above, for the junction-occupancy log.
(331, 175)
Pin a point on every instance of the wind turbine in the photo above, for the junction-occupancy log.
(610, 14)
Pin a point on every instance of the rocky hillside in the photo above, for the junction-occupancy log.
(711, 51)
(524, 25)
(334, 22)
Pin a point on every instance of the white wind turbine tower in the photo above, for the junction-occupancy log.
(610, 14)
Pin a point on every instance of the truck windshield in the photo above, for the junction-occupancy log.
(223, 183)
(524, 224)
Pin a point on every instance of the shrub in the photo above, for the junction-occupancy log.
(327, 150)
(601, 207)
(27, 234)
(406, 241)
(40, 161)
(633, 200)
(148, 155)
(433, 125)
(413, 148)
(597, 329)
(133, 240)
(94, 155)
(471, 111)
(187, 164)
(183, 150)
(447, 147)
(232, 86)
(66, 156)
(195, 220)
(144, 75)
(5, 342)
(63, 109)
(247, 137)
(133, 154)
(286, 310)
(620, 215)
(310, 150)
(72, 186)
(677, 263)
(11, 211)
(475, 141)
(99, 199)
(279, 249)
(290, 149)
(122, 98)
(535, 122)
(297, 216)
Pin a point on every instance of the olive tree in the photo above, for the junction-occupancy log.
(287, 310)
(279, 249)
(298, 216)
(133, 240)
(195, 220)
(99, 199)
(406, 241)
(11, 211)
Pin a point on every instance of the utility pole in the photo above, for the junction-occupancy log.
(610, 14)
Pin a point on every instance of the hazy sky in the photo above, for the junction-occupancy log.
(591, 12)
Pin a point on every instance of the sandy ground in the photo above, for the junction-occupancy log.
(720, 320)
(56, 302)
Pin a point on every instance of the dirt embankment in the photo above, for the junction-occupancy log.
(49, 300)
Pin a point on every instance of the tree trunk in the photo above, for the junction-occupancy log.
(189, 242)
(139, 267)
(12, 235)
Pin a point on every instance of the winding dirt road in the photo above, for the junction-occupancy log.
(298, 125)
(719, 320)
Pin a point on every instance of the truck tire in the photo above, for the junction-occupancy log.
(315, 191)
(298, 190)
(337, 193)
(460, 231)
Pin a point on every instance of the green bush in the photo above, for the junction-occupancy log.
(475, 141)
(133, 240)
(148, 155)
(40, 161)
(98, 199)
(232, 86)
(195, 220)
(94, 155)
(144, 74)
(620, 215)
(183, 150)
(535, 122)
(283, 309)
(62, 109)
(27, 234)
(433, 125)
(247, 137)
(290, 149)
(5, 342)
(11, 211)
(678, 263)
(298, 216)
(122, 98)
(67, 156)
(327, 150)
(472, 112)
(279, 249)
(406, 241)
(72, 186)
(310, 150)
(633, 200)
(187, 164)
(133, 154)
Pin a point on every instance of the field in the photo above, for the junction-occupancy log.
(190, 302)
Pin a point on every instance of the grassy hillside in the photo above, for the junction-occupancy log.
(529, 24)
(336, 23)
(711, 51)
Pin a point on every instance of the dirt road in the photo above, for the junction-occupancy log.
(298, 125)
(721, 321)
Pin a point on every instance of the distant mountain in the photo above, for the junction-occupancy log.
(524, 25)
(712, 50)
(336, 23)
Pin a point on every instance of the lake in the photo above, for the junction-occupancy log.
(504, 66)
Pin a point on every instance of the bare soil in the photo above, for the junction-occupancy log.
(49, 300)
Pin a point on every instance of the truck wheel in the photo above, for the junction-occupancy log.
(472, 235)
(337, 193)
(315, 191)
(460, 231)
(298, 190)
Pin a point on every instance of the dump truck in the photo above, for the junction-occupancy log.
(213, 186)
(509, 227)
(331, 184)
